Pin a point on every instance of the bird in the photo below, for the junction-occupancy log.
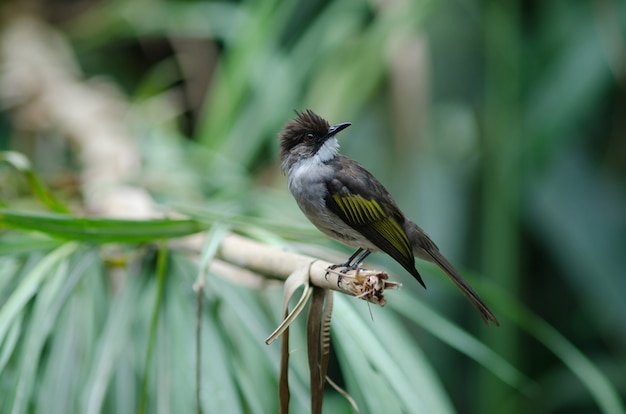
(347, 203)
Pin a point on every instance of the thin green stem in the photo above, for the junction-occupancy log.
(502, 175)
(209, 250)
(161, 272)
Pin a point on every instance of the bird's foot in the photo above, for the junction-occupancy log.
(345, 264)
(347, 267)
(331, 268)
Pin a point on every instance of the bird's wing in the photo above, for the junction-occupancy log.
(361, 201)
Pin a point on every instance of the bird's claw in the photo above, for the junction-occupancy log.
(347, 267)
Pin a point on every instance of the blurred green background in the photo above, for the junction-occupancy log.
(498, 126)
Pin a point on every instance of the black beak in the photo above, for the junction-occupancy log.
(333, 130)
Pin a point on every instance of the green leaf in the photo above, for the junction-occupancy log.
(21, 163)
(29, 286)
(385, 369)
(415, 310)
(100, 230)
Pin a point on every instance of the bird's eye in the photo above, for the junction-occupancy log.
(309, 137)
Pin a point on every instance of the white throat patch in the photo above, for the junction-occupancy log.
(328, 150)
(304, 166)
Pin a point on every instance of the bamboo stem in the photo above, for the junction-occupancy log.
(275, 262)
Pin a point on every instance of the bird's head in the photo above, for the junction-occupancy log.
(306, 136)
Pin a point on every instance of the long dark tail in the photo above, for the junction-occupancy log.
(462, 284)
(425, 248)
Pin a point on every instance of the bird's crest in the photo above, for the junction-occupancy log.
(296, 130)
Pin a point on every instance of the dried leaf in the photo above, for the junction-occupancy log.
(344, 393)
(318, 340)
(299, 278)
(325, 334)
(316, 310)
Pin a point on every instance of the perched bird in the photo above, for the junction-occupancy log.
(347, 203)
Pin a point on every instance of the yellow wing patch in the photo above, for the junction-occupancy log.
(360, 212)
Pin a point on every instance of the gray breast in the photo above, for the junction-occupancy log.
(307, 182)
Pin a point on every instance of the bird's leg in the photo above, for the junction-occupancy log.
(348, 265)
(357, 262)
(348, 262)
